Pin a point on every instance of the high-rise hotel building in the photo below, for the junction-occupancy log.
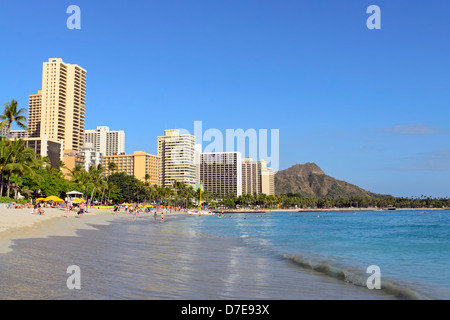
(177, 152)
(62, 104)
(221, 172)
(257, 177)
(267, 179)
(106, 142)
(138, 164)
(34, 114)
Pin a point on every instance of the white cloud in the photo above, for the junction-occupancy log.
(413, 129)
(432, 161)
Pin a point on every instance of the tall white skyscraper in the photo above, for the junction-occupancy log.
(106, 142)
(177, 152)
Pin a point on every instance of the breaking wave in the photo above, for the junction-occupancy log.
(355, 276)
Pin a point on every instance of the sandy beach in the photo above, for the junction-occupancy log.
(21, 224)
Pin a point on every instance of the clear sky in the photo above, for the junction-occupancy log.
(371, 107)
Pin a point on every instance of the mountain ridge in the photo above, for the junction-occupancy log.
(310, 180)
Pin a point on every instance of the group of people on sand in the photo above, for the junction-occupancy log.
(80, 211)
(135, 210)
(15, 205)
(37, 209)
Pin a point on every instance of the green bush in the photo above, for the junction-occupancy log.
(5, 200)
(8, 200)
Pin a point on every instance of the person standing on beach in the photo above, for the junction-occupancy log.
(67, 207)
(81, 210)
(162, 216)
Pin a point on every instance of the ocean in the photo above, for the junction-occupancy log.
(269, 256)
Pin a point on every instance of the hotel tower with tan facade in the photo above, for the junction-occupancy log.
(56, 113)
(177, 153)
(257, 177)
(138, 164)
(62, 105)
(34, 114)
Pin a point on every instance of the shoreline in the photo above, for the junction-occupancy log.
(320, 210)
(16, 224)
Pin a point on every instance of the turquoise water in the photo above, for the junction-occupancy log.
(240, 256)
(411, 248)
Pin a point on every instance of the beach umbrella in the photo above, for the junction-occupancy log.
(53, 198)
(77, 200)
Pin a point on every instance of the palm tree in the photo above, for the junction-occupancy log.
(168, 194)
(35, 165)
(5, 154)
(96, 178)
(112, 166)
(12, 114)
(80, 177)
(110, 187)
(190, 193)
(18, 160)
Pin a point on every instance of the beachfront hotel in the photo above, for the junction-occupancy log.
(267, 179)
(91, 156)
(139, 164)
(34, 119)
(221, 172)
(56, 113)
(41, 143)
(106, 142)
(58, 109)
(177, 153)
(257, 177)
(18, 134)
(34, 114)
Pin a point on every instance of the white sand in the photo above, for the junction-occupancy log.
(21, 224)
(18, 224)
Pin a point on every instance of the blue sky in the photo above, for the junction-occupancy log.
(370, 107)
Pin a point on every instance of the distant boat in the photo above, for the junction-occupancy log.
(205, 213)
(200, 213)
